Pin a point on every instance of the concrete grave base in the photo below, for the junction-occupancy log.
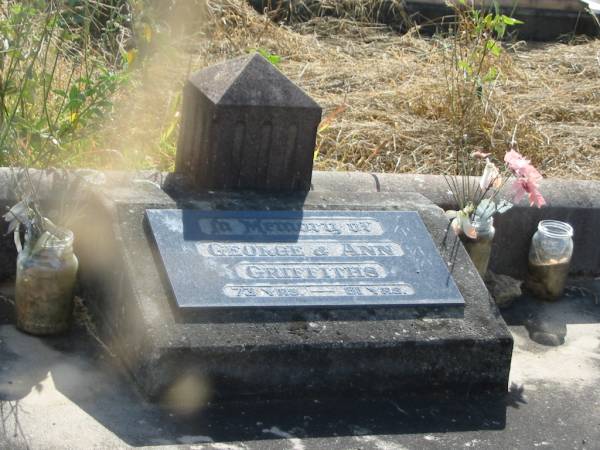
(373, 351)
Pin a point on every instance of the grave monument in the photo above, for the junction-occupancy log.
(246, 126)
(286, 293)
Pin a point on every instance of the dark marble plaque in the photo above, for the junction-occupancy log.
(251, 259)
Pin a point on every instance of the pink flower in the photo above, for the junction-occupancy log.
(515, 161)
(529, 186)
(528, 177)
(520, 166)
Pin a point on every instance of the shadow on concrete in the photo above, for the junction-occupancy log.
(546, 322)
(579, 304)
(74, 366)
(345, 417)
(516, 396)
(7, 310)
(10, 425)
(10, 393)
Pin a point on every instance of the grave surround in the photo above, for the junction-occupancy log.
(371, 350)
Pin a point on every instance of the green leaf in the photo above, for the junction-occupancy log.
(465, 67)
(488, 20)
(491, 75)
(510, 21)
(493, 47)
(500, 29)
(271, 57)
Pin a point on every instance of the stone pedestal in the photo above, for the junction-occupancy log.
(246, 126)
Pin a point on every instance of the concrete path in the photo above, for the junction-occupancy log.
(70, 393)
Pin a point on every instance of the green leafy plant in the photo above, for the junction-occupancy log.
(57, 79)
(472, 66)
(54, 79)
(472, 62)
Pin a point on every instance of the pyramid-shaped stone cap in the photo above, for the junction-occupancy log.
(250, 81)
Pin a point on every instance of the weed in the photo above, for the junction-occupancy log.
(271, 57)
(472, 66)
(55, 77)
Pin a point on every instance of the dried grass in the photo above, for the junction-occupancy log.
(394, 90)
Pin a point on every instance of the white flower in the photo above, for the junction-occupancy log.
(490, 177)
(461, 223)
(17, 215)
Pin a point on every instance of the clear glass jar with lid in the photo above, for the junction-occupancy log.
(549, 259)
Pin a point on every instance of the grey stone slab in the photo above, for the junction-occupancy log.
(347, 181)
(260, 259)
(349, 352)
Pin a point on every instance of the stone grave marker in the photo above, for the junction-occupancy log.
(259, 259)
(245, 125)
(251, 294)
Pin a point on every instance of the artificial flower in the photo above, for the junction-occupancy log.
(528, 186)
(461, 223)
(519, 165)
(490, 177)
(482, 205)
(485, 210)
(18, 215)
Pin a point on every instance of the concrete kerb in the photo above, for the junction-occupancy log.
(575, 201)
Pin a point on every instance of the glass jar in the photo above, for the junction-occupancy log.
(480, 248)
(45, 284)
(549, 259)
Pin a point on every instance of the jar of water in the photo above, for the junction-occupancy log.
(549, 259)
(46, 276)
